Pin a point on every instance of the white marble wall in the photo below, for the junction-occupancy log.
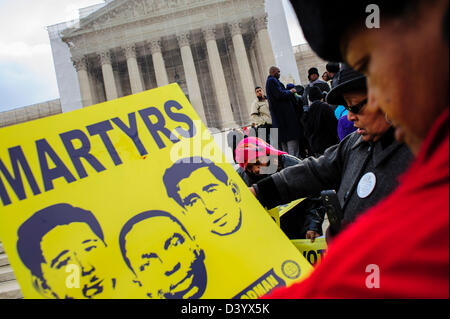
(29, 113)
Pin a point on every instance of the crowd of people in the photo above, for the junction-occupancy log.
(306, 124)
(381, 145)
(369, 158)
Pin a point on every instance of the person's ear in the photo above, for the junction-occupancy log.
(42, 288)
(236, 190)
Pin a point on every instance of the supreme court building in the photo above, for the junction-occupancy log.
(216, 50)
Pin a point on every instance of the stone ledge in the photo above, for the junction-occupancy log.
(6, 273)
(4, 260)
(10, 290)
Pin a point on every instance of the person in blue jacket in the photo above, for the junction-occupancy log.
(282, 110)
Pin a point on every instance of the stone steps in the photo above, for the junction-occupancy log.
(3, 260)
(6, 273)
(9, 288)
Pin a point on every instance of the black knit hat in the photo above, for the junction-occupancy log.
(325, 22)
(315, 94)
(349, 80)
(300, 89)
(313, 71)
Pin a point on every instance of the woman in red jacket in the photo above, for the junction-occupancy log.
(399, 248)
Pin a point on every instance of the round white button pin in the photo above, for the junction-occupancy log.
(366, 185)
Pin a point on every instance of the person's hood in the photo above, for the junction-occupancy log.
(250, 148)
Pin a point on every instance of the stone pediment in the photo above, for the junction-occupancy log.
(120, 12)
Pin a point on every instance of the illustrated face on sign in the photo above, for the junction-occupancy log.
(74, 244)
(59, 237)
(203, 192)
(166, 261)
(201, 187)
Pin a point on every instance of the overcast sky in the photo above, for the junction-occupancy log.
(27, 74)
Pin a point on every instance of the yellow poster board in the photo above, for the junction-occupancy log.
(277, 212)
(313, 252)
(132, 198)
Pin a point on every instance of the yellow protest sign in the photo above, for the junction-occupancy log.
(132, 198)
(313, 252)
(277, 212)
(283, 209)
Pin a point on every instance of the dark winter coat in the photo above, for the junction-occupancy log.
(341, 168)
(322, 85)
(284, 116)
(320, 127)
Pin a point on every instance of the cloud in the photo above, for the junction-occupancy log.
(27, 74)
(21, 87)
(21, 49)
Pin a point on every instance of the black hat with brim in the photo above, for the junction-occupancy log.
(325, 22)
(349, 81)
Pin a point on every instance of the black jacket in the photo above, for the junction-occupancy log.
(320, 127)
(322, 85)
(341, 168)
(281, 105)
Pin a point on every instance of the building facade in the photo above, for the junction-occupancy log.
(216, 50)
(304, 55)
(306, 59)
(29, 113)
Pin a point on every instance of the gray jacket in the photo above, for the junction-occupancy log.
(341, 168)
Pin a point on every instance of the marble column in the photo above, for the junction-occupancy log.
(257, 74)
(81, 65)
(108, 76)
(245, 73)
(218, 77)
(133, 70)
(118, 81)
(158, 63)
(190, 72)
(264, 44)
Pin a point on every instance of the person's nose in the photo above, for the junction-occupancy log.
(168, 265)
(210, 205)
(172, 269)
(86, 267)
(352, 117)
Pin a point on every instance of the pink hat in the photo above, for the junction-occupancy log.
(250, 148)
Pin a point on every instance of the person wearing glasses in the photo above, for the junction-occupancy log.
(363, 168)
